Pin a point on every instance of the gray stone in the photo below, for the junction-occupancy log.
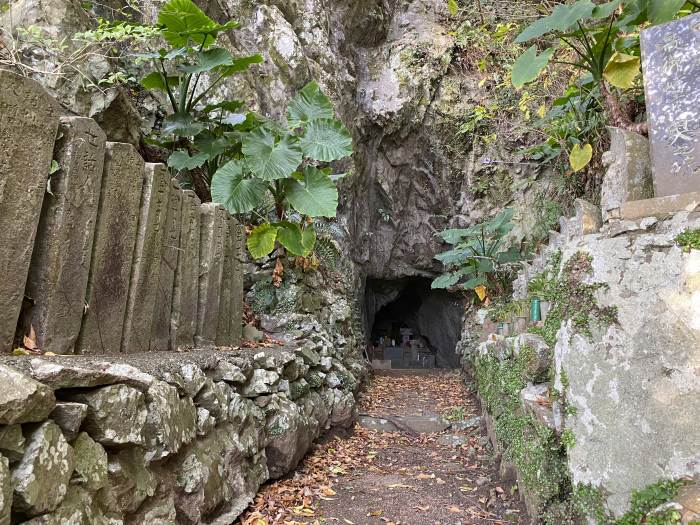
(660, 206)
(69, 416)
(536, 401)
(162, 315)
(116, 414)
(252, 334)
(540, 362)
(588, 218)
(112, 251)
(295, 369)
(215, 398)
(228, 372)
(5, 491)
(237, 291)
(670, 61)
(143, 286)
(261, 382)
(343, 408)
(188, 378)
(205, 421)
(290, 433)
(211, 260)
(628, 177)
(63, 247)
(468, 424)
(633, 384)
(186, 290)
(76, 509)
(12, 442)
(129, 481)
(171, 421)
(40, 480)
(90, 463)
(22, 399)
(58, 375)
(230, 264)
(27, 133)
(158, 510)
(310, 355)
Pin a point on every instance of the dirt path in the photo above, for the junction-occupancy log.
(399, 477)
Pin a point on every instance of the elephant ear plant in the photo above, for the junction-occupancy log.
(288, 162)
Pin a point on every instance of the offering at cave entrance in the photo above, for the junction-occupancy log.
(671, 62)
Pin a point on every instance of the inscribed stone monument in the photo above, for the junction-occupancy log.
(160, 339)
(63, 248)
(671, 62)
(28, 123)
(211, 264)
(186, 290)
(146, 263)
(112, 251)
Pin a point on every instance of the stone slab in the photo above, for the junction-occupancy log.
(112, 251)
(671, 63)
(223, 330)
(160, 336)
(143, 286)
(237, 292)
(27, 133)
(63, 249)
(186, 290)
(658, 206)
(211, 259)
(628, 177)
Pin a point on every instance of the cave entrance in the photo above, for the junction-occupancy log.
(409, 325)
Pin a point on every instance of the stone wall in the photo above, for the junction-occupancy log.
(106, 254)
(615, 391)
(162, 438)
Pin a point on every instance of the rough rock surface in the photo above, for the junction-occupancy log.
(22, 399)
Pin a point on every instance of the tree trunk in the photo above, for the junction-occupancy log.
(618, 117)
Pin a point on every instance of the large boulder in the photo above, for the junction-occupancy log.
(22, 399)
(40, 480)
(290, 434)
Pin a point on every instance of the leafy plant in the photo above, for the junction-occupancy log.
(689, 240)
(481, 255)
(201, 137)
(289, 162)
(604, 42)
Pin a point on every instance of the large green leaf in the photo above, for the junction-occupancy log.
(271, 159)
(181, 160)
(579, 157)
(660, 11)
(207, 60)
(529, 65)
(326, 140)
(182, 124)
(156, 80)
(605, 10)
(562, 18)
(180, 19)
(446, 280)
(261, 240)
(239, 64)
(473, 283)
(314, 195)
(297, 241)
(234, 191)
(308, 105)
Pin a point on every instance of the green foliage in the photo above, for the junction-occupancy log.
(286, 162)
(571, 298)
(647, 499)
(689, 240)
(481, 255)
(456, 413)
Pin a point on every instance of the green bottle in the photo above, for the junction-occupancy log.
(535, 314)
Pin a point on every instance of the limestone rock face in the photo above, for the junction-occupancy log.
(635, 385)
(116, 414)
(22, 399)
(90, 463)
(40, 480)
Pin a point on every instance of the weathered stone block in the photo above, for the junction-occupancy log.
(112, 251)
(69, 416)
(628, 177)
(27, 133)
(659, 206)
(237, 292)
(63, 248)
(116, 414)
(5, 491)
(22, 399)
(12, 442)
(171, 421)
(160, 337)
(129, 481)
(224, 320)
(90, 463)
(588, 218)
(40, 480)
(57, 375)
(143, 286)
(186, 290)
(262, 382)
(211, 263)
(188, 378)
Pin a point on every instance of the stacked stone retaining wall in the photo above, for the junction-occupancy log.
(163, 438)
(104, 253)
